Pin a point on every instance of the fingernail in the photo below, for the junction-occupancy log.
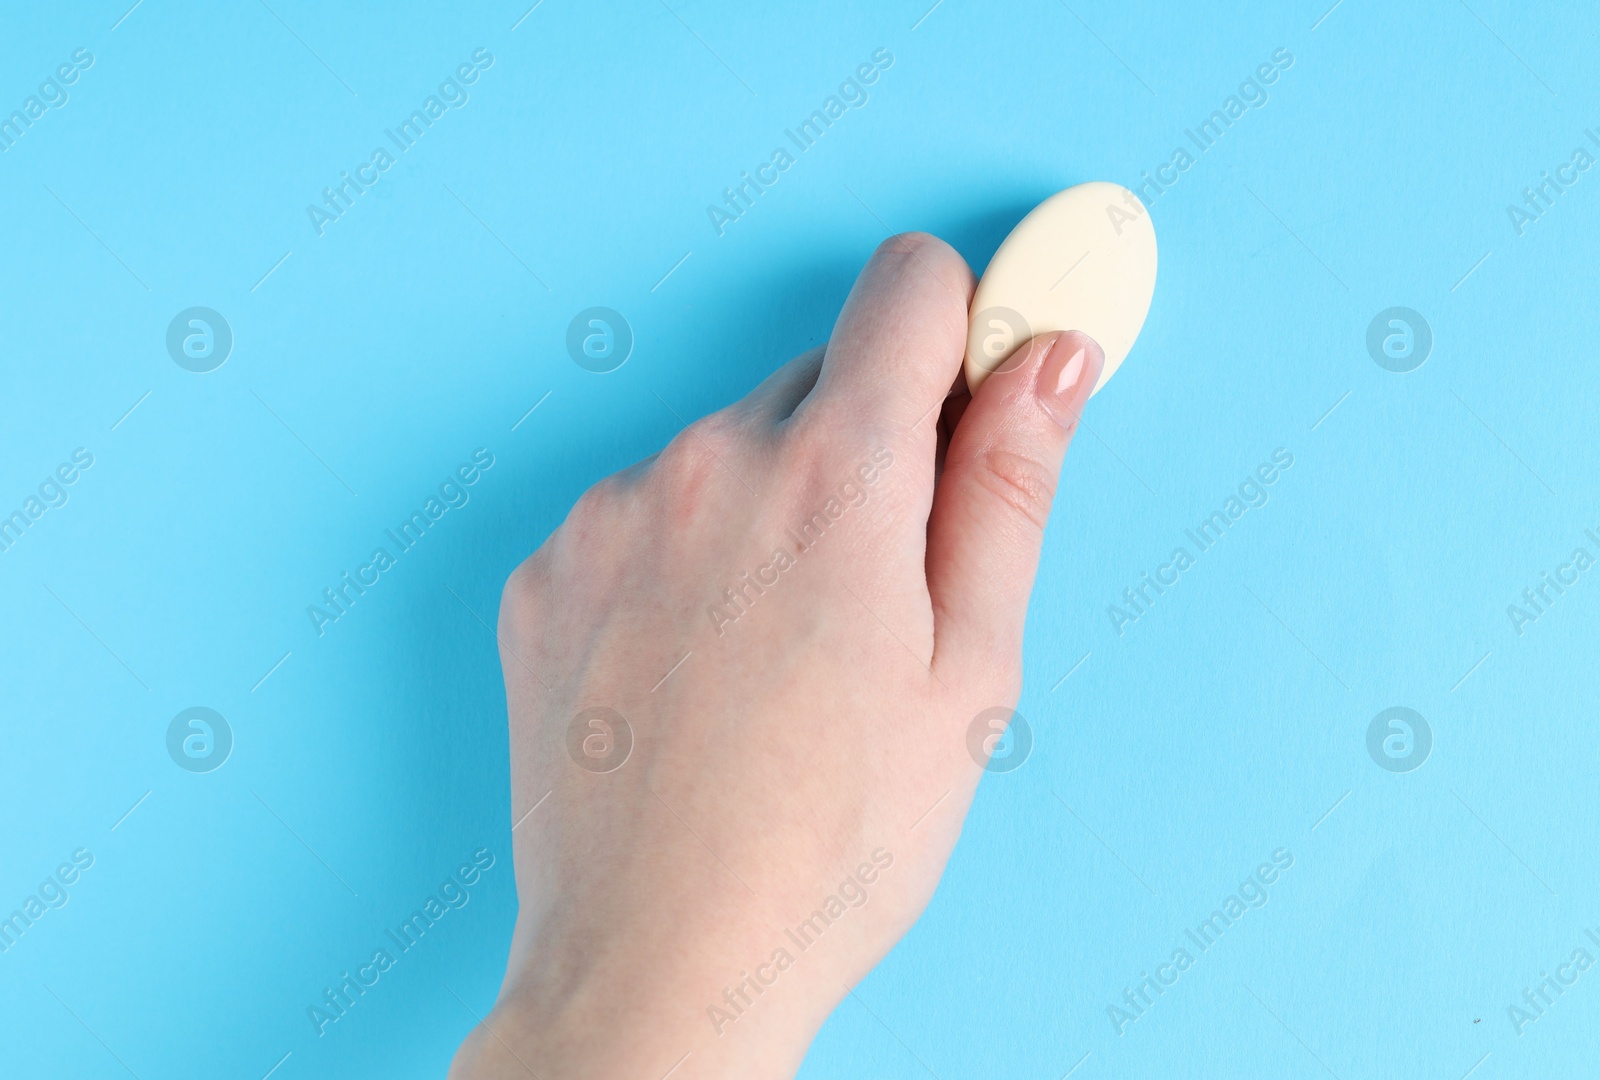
(1068, 375)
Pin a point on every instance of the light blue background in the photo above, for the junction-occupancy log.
(1224, 724)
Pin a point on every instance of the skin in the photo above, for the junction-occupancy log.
(815, 746)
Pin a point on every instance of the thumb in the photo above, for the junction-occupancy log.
(994, 497)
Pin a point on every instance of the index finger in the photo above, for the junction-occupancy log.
(899, 342)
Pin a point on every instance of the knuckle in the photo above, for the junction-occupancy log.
(521, 597)
(1023, 483)
(814, 435)
(579, 558)
(584, 533)
(592, 506)
(697, 454)
(720, 431)
(591, 516)
(829, 449)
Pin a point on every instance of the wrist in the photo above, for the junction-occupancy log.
(627, 1006)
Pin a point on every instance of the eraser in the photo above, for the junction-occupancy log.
(1084, 259)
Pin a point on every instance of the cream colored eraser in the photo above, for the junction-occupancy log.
(1084, 259)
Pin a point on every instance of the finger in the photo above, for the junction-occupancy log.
(990, 509)
(637, 471)
(950, 413)
(782, 392)
(900, 339)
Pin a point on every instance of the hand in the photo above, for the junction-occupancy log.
(794, 613)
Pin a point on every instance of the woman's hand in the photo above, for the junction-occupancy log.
(741, 679)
